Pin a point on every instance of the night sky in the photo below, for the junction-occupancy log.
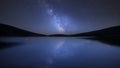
(60, 16)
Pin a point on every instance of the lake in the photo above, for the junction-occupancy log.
(57, 52)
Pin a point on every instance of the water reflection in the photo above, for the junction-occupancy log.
(115, 41)
(56, 51)
(4, 45)
(59, 53)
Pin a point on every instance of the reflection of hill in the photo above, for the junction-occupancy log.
(6, 30)
(4, 45)
(107, 40)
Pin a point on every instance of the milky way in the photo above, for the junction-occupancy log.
(56, 18)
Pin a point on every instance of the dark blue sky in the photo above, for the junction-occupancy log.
(73, 16)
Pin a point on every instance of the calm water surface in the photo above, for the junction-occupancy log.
(56, 52)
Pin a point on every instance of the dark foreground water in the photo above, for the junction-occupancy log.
(57, 53)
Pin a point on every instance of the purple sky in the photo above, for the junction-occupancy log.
(60, 16)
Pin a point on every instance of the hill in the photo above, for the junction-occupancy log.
(7, 30)
(108, 32)
(10, 31)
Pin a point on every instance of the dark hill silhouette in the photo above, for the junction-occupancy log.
(7, 30)
(10, 31)
(112, 31)
(108, 36)
(58, 35)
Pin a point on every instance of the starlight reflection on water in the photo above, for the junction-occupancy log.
(59, 53)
